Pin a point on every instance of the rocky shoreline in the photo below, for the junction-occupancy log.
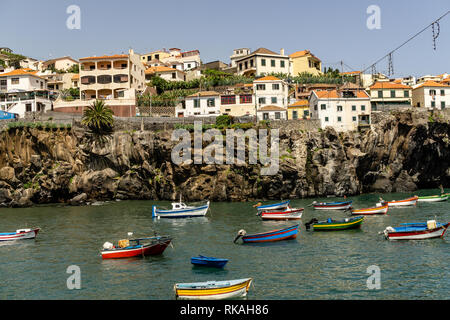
(402, 152)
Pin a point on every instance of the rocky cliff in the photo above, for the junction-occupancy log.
(402, 152)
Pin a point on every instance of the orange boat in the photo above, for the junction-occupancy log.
(401, 203)
(371, 211)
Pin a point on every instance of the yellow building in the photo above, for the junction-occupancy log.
(299, 110)
(305, 61)
(155, 55)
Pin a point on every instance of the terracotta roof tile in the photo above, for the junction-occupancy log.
(20, 72)
(302, 54)
(432, 84)
(106, 57)
(271, 108)
(264, 51)
(268, 78)
(300, 103)
(333, 94)
(388, 85)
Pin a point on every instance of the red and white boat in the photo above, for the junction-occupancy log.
(401, 203)
(134, 248)
(371, 211)
(416, 231)
(288, 214)
(20, 234)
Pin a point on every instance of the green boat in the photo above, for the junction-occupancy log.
(333, 225)
(436, 198)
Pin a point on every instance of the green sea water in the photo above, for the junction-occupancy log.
(316, 265)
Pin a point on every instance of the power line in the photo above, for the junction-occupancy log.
(435, 36)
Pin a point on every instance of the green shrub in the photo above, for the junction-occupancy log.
(224, 120)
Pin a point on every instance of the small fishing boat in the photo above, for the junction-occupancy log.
(180, 210)
(400, 203)
(273, 207)
(288, 214)
(371, 211)
(209, 261)
(20, 234)
(134, 248)
(332, 225)
(437, 198)
(270, 236)
(213, 290)
(344, 205)
(416, 231)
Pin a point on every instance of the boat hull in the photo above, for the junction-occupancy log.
(290, 214)
(12, 236)
(371, 211)
(212, 264)
(143, 250)
(433, 199)
(235, 289)
(403, 203)
(417, 235)
(272, 236)
(182, 213)
(273, 207)
(338, 225)
(333, 206)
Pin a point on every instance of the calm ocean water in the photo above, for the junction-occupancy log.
(330, 265)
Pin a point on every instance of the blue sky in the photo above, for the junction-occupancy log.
(332, 30)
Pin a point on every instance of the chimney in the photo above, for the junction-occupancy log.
(282, 51)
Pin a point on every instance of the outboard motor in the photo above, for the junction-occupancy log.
(307, 224)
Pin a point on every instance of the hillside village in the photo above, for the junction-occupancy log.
(258, 85)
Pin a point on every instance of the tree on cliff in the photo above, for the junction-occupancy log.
(98, 117)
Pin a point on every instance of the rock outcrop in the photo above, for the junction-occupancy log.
(402, 152)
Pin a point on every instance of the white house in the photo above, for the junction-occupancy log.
(272, 91)
(202, 104)
(271, 113)
(169, 74)
(431, 95)
(23, 91)
(342, 110)
(263, 61)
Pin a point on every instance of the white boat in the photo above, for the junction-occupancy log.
(288, 214)
(212, 290)
(180, 210)
(20, 234)
(433, 198)
(400, 203)
(416, 231)
(273, 207)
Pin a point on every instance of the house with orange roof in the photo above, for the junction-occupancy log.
(263, 61)
(344, 110)
(305, 61)
(270, 90)
(201, 104)
(271, 112)
(188, 59)
(431, 95)
(298, 110)
(238, 103)
(389, 94)
(22, 91)
(167, 73)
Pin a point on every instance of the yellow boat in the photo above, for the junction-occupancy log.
(213, 290)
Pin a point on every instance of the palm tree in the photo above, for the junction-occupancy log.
(98, 117)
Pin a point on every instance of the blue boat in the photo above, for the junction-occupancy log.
(180, 210)
(209, 261)
(270, 236)
(275, 206)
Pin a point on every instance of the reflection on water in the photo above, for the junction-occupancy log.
(315, 265)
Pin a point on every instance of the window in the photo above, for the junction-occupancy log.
(196, 103)
(323, 107)
(245, 98)
(240, 66)
(339, 108)
(228, 99)
(339, 119)
(294, 114)
(260, 87)
(442, 92)
(282, 64)
(246, 65)
(353, 108)
(263, 62)
(442, 104)
(276, 86)
(380, 94)
(363, 108)
(432, 92)
(121, 94)
(354, 119)
(227, 110)
(189, 65)
(315, 107)
(433, 104)
(305, 113)
(251, 63)
(392, 93)
(277, 115)
(262, 100)
(272, 63)
(406, 94)
(326, 119)
(15, 81)
(210, 102)
(274, 100)
(174, 75)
